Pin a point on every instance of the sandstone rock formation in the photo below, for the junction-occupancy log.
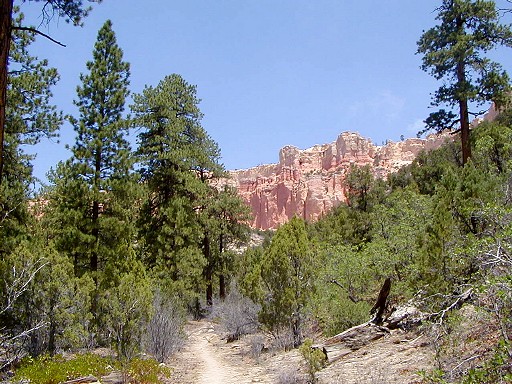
(308, 183)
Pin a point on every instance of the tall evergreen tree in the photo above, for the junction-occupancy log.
(224, 218)
(30, 117)
(96, 189)
(453, 51)
(178, 159)
(71, 10)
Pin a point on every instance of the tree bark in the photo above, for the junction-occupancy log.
(380, 304)
(5, 43)
(208, 271)
(463, 102)
(222, 278)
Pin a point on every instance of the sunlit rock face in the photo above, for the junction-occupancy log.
(308, 183)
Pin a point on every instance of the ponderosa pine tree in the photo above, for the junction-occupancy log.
(95, 190)
(224, 217)
(233, 214)
(30, 117)
(71, 10)
(454, 51)
(177, 160)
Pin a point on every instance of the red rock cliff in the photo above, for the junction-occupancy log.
(310, 182)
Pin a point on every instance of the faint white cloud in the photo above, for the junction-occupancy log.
(385, 104)
(415, 127)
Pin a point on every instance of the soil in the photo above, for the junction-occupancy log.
(208, 359)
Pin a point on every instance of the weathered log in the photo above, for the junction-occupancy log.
(84, 379)
(351, 340)
(405, 317)
(115, 377)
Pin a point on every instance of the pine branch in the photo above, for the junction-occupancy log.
(29, 29)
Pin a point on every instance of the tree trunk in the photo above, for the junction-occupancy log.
(222, 287)
(464, 131)
(222, 278)
(96, 235)
(463, 102)
(208, 271)
(96, 215)
(5, 43)
(380, 304)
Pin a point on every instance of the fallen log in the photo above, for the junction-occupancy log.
(351, 340)
(82, 380)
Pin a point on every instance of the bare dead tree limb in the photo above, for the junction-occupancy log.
(459, 301)
(20, 282)
(30, 29)
(352, 298)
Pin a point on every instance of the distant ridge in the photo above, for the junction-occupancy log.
(308, 183)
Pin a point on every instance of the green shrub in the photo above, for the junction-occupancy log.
(53, 370)
(146, 371)
(57, 369)
(496, 370)
(315, 358)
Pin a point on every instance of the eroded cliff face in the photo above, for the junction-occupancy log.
(308, 183)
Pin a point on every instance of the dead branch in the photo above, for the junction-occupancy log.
(459, 301)
(33, 30)
(9, 348)
(352, 298)
(20, 283)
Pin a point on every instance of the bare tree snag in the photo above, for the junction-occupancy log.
(380, 304)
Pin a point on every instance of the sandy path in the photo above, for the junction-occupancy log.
(206, 359)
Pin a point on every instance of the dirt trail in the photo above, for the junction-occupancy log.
(206, 359)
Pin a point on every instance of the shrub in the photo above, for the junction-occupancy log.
(126, 310)
(165, 329)
(53, 370)
(146, 371)
(237, 314)
(256, 343)
(289, 376)
(315, 358)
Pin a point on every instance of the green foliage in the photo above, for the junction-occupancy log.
(57, 369)
(248, 270)
(315, 358)
(454, 52)
(287, 270)
(435, 376)
(496, 370)
(147, 371)
(126, 308)
(177, 159)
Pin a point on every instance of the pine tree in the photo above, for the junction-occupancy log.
(71, 10)
(96, 189)
(30, 117)
(453, 51)
(224, 218)
(178, 159)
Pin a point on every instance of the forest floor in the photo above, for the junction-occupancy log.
(208, 359)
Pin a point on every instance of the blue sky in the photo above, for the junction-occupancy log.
(270, 73)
